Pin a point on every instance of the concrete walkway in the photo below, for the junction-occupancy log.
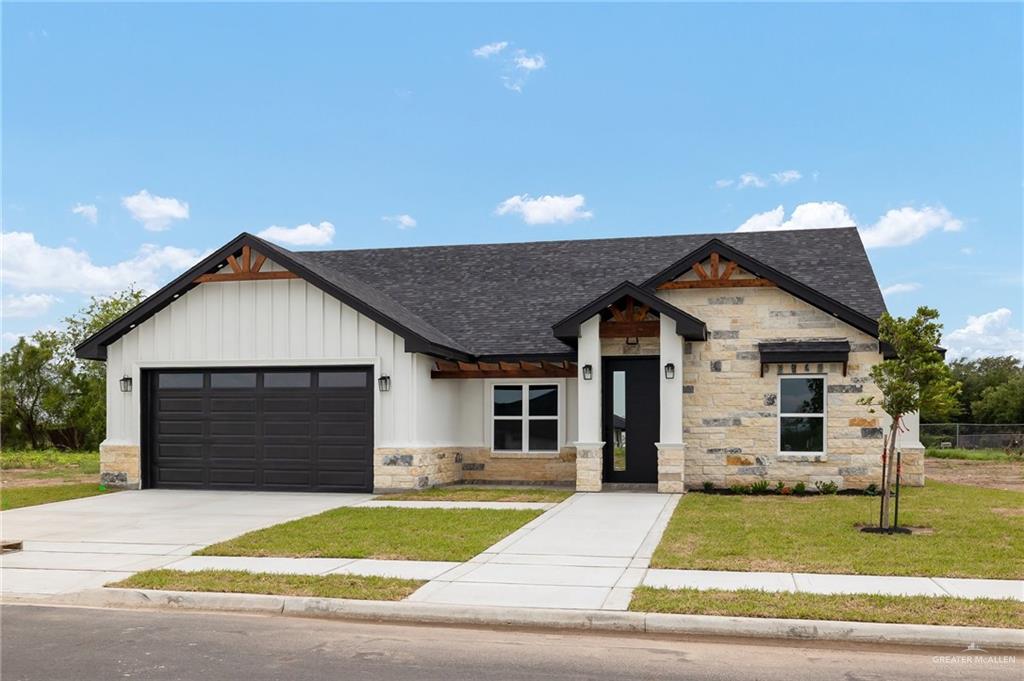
(588, 552)
(85, 543)
(836, 584)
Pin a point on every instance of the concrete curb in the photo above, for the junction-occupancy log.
(591, 620)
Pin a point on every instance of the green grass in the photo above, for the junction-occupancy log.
(969, 454)
(80, 462)
(237, 581)
(976, 532)
(386, 533)
(981, 612)
(17, 497)
(471, 493)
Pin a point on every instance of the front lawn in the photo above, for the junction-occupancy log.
(385, 533)
(982, 612)
(17, 497)
(238, 581)
(968, 454)
(975, 532)
(471, 493)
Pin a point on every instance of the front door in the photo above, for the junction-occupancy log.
(631, 416)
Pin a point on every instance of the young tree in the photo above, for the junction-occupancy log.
(30, 385)
(916, 379)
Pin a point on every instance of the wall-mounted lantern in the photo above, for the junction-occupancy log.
(126, 384)
(670, 371)
(384, 384)
(588, 372)
(632, 340)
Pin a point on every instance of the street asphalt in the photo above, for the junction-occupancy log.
(83, 644)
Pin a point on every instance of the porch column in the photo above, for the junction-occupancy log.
(671, 448)
(590, 448)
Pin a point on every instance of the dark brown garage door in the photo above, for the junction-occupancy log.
(288, 429)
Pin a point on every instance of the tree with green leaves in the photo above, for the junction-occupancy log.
(1002, 403)
(916, 379)
(975, 377)
(49, 396)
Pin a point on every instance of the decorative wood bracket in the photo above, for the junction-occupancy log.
(513, 369)
(629, 320)
(246, 267)
(714, 277)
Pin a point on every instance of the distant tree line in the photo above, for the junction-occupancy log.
(991, 391)
(49, 397)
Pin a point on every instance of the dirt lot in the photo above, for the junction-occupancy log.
(995, 474)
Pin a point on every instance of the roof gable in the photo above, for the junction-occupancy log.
(419, 335)
(687, 326)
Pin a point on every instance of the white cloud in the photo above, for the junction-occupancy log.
(87, 211)
(986, 335)
(155, 212)
(902, 226)
(38, 267)
(898, 227)
(805, 216)
(967, 250)
(896, 289)
(784, 177)
(302, 235)
(527, 62)
(753, 180)
(402, 220)
(545, 210)
(490, 49)
(27, 305)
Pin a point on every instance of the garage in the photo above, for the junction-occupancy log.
(296, 429)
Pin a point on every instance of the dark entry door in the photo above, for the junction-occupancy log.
(631, 419)
(289, 429)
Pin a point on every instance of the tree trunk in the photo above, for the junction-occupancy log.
(882, 505)
(889, 472)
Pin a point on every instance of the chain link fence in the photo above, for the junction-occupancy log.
(972, 435)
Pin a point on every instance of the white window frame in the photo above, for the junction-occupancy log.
(525, 417)
(823, 416)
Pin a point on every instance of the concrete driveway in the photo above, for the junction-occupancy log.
(84, 543)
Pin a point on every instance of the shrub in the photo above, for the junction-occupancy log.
(826, 487)
(709, 486)
(871, 490)
(799, 488)
(740, 489)
(779, 486)
(759, 487)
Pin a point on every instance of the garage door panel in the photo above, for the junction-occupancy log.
(241, 430)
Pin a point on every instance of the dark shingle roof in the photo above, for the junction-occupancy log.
(502, 299)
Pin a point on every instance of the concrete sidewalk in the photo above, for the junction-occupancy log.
(800, 582)
(589, 552)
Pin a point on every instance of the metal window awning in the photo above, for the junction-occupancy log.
(785, 352)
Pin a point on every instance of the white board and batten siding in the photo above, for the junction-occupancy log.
(286, 322)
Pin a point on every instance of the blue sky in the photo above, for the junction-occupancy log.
(136, 137)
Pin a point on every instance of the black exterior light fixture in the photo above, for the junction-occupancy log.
(588, 372)
(384, 383)
(126, 384)
(670, 371)
(632, 340)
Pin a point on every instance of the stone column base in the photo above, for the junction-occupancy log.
(120, 466)
(912, 461)
(589, 466)
(671, 458)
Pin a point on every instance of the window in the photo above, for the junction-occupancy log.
(181, 381)
(233, 380)
(525, 418)
(802, 414)
(286, 379)
(343, 379)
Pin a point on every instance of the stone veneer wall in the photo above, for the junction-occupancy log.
(120, 466)
(406, 468)
(730, 412)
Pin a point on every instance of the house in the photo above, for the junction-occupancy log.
(736, 357)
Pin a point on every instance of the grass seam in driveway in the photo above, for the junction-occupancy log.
(360, 587)
(937, 610)
(384, 533)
